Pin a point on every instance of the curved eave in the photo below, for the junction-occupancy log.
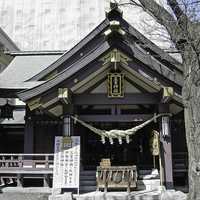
(163, 56)
(72, 51)
(153, 47)
(84, 61)
(62, 76)
(96, 52)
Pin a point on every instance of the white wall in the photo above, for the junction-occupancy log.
(60, 24)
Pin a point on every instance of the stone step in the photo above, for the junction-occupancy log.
(86, 182)
(136, 195)
(88, 173)
(86, 189)
(88, 177)
(147, 195)
(92, 178)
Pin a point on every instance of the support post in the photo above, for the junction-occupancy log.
(28, 133)
(166, 147)
(19, 180)
(46, 180)
(67, 126)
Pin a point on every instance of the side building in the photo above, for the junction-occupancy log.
(6, 45)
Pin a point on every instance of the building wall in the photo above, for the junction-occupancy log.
(60, 24)
(49, 24)
(44, 136)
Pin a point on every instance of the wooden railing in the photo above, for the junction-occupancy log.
(21, 166)
(11, 161)
(17, 167)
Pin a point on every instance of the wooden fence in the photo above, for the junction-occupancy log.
(17, 167)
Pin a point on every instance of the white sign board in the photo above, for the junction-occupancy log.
(66, 162)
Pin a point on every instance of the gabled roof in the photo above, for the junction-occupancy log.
(23, 67)
(91, 48)
(81, 47)
(27, 94)
(75, 52)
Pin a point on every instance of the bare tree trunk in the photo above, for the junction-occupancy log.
(191, 98)
(185, 34)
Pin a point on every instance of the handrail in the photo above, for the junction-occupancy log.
(16, 167)
(22, 161)
(26, 154)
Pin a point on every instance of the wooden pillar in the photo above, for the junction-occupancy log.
(67, 126)
(166, 147)
(28, 133)
(46, 180)
(19, 180)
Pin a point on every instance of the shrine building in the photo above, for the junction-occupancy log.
(113, 79)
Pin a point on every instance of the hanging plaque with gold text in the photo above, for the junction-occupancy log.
(115, 85)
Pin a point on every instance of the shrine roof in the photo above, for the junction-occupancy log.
(93, 46)
(23, 67)
(82, 47)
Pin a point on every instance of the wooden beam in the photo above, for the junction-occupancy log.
(167, 94)
(128, 99)
(116, 118)
(64, 95)
(34, 103)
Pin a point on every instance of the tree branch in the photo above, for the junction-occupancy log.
(176, 9)
(162, 16)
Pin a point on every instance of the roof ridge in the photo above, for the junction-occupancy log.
(48, 52)
(73, 50)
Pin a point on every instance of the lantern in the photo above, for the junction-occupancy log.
(7, 111)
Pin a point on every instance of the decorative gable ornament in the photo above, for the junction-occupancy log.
(115, 85)
(115, 56)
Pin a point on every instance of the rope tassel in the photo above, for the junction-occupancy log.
(127, 139)
(111, 140)
(103, 139)
(120, 140)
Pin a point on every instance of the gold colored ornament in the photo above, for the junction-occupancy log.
(154, 144)
(115, 85)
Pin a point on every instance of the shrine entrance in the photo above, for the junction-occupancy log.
(137, 152)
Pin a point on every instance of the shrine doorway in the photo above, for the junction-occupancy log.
(137, 152)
